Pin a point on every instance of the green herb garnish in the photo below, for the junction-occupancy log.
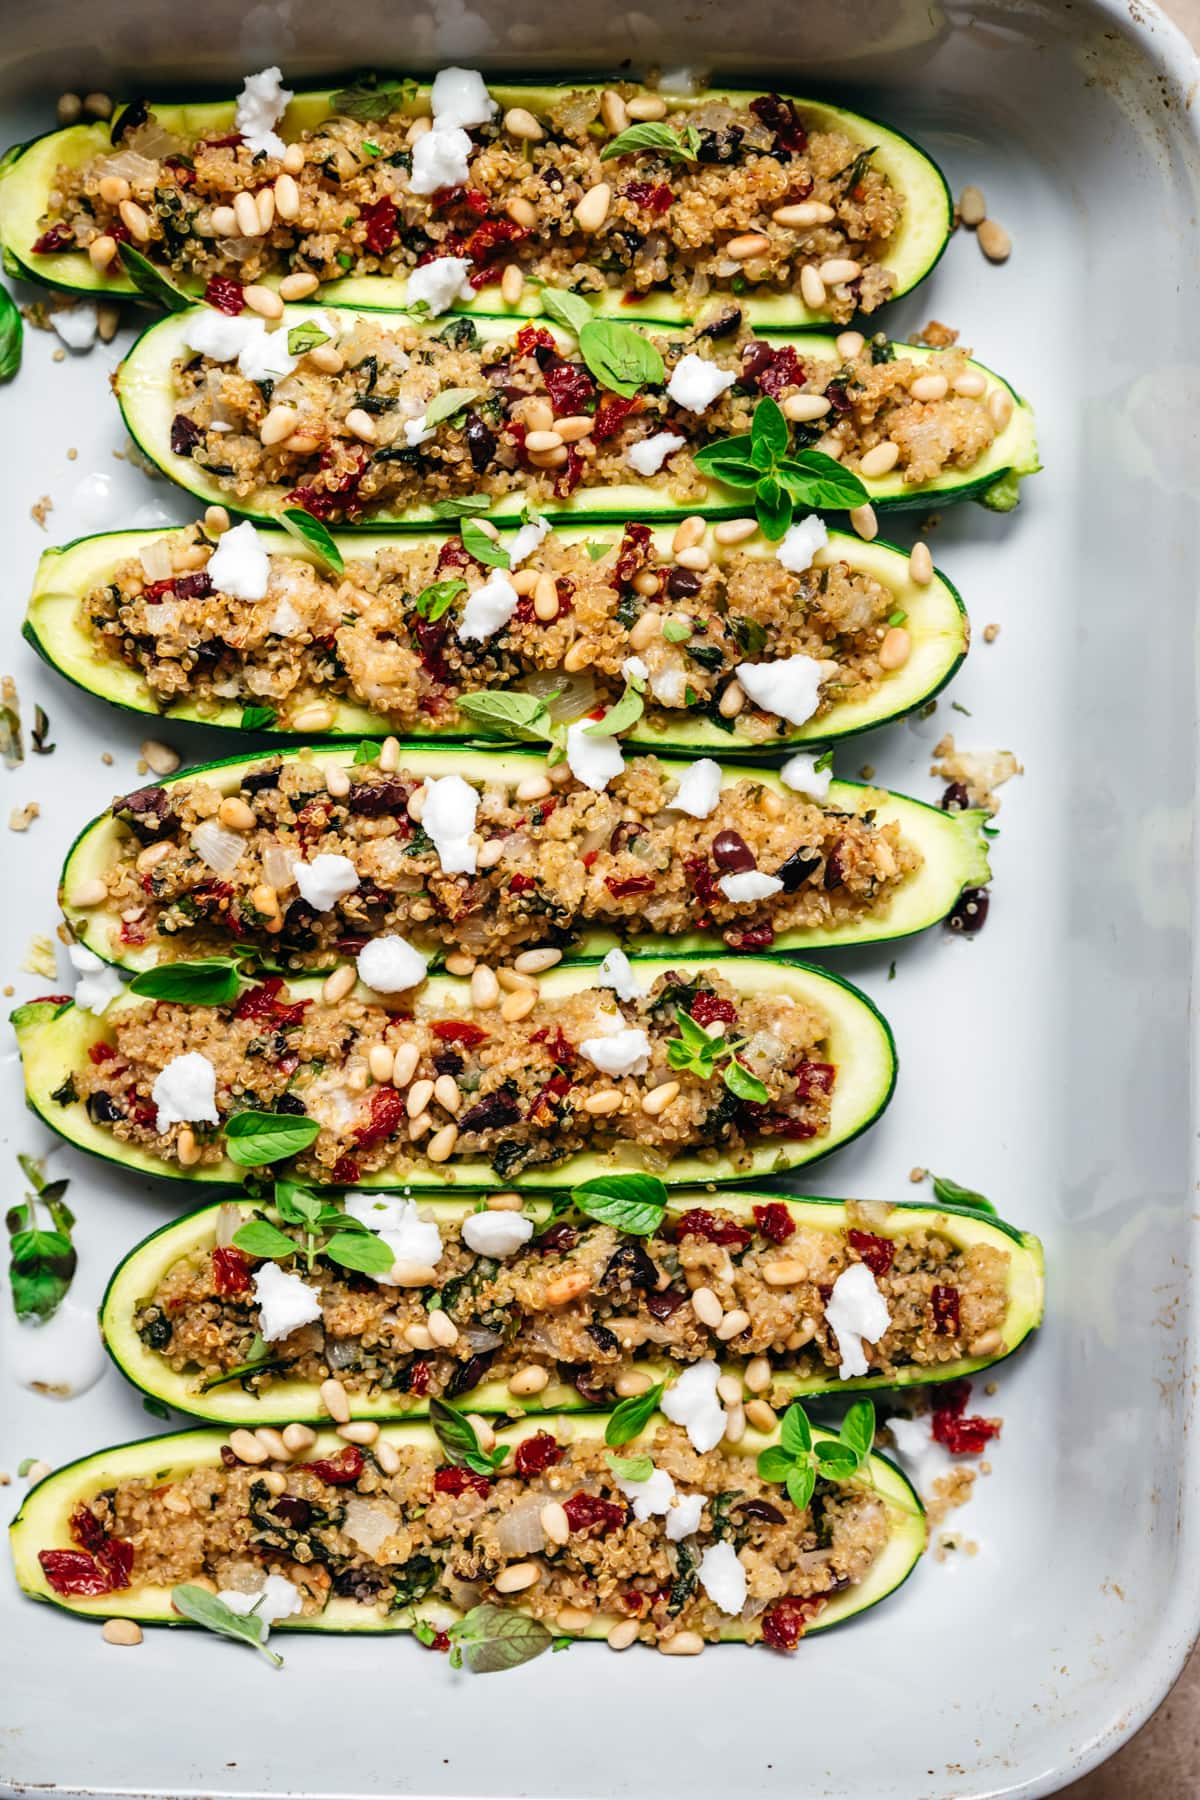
(483, 548)
(758, 460)
(796, 1462)
(630, 1468)
(629, 1203)
(631, 1416)
(431, 603)
(258, 718)
(491, 1638)
(151, 283)
(653, 135)
(456, 1434)
(305, 337)
(318, 538)
(950, 1193)
(370, 98)
(212, 981)
(12, 331)
(698, 1054)
(41, 1262)
(620, 716)
(254, 1138)
(620, 357)
(200, 1607)
(446, 404)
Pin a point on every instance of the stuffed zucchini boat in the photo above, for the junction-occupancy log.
(223, 859)
(696, 1548)
(559, 1082)
(397, 421)
(141, 619)
(556, 1310)
(822, 212)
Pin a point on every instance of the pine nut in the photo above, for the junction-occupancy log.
(246, 1447)
(512, 284)
(224, 222)
(812, 288)
(459, 962)
(135, 221)
(419, 1096)
(994, 241)
(335, 1400)
(880, 460)
(520, 123)
(784, 1272)
(608, 1100)
(445, 1092)
(381, 1061)
(522, 212)
(416, 804)
(298, 1439)
(365, 1431)
(160, 757)
(895, 649)
(733, 1324)
(529, 1380)
(735, 1425)
(987, 1345)
(729, 1389)
(746, 245)
(839, 269)
(327, 358)
(69, 109)
(566, 1288)
(758, 1375)
(850, 344)
(236, 814)
(536, 962)
(659, 1098)
(485, 989)
(539, 442)
(313, 718)
(275, 1481)
(265, 199)
(293, 159)
(389, 756)
(98, 106)
(504, 1202)
(557, 1529)
(864, 522)
(287, 205)
(684, 1643)
(613, 112)
(89, 893)
(534, 787)
(930, 387)
(361, 424)
(338, 985)
(545, 600)
(631, 1382)
(646, 106)
(646, 583)
(571, 430)
(760, 1415)
(388, 1458)
(732, 700)
(972, 207)
(441, 1328)
(622, 1635)
(418, 1336)
(216, 520)
(125, 1632)
(734, 531)
(548, 459)
(517, 1577)
(592, 210)
(440, 1147)
(148, 859)
(707, 1307)
(101, 252)
(804, 407)
(245, 211)
(404, 1064)
(518, 1006)
(803, 214)
(272, 1442)
(920, 564)
(512, 983)
(265, 900)
(1000, 407)
(186, 1147)
(483, 1431)
(38, 1470)
(971, 385)
(279, 423)
(490, 854)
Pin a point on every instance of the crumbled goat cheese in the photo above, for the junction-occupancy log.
(98, 981)
(441, 281)
(391, 964)
(669, 683)
(496, 1233)
(76, 326)
(684, 1516)
(526, 541)
(284, 1302)
(752, 885)
(791, 688)
(410, 1238)
(649, 454)
(488, 608)
(654, 1495)
(185, 1093)
(451, 805)
(260, 106)
(440, 159)
(325, 880)
(723, 1578)
(416, 432)
(213, 334)
(692, 1402)
(460, 97)
(695, 384)
(699, 789)
(856, 1310)
(623, 1052)
(616, 972)
(240, 565)
(801, 774)
(633, 670)
(285, 621)
(801, 542)
(266, 357)
(593, 760)
(277, 1598)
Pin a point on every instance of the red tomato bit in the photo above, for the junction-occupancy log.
(775, 1222)
(876, 1252)
(960, 1435)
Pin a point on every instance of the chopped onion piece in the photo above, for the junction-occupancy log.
(220, 849)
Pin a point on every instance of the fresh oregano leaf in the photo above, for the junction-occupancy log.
(632, 1415)
(630, 1203)
(653, 135)
(360, 1250)
(620, 357)
(318, 538)
(491, 1639)
(371, 98)
(200, 1607)
(478, 544)
(212, 981)
(620, 716)
(431, 603)
(569, 309)
(739, 1080)
(446, 404)
(151, 283)
(258, 718)
(516, 714)
(950, 1193)
(630, 1468)
(305, 336)
(12, 331)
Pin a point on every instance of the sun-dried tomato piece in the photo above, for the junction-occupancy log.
(570, 474)
(420, 1376)
(230, 1269)
(700, 1223)
(781, 117)
(86, 1529)
(74, 1572)
(492, 235)
(655, 196)
(569, 386)
(459, 1031)
(456, 1481)
(621, 888)
(262, 1002)
(537, 1453)
(591, 1516)
(876, 1252)
(534, 337)
(385, 1115)
(609, 417)
(58, 237)
(703, 881)
(784, 1624)
(775, 1222)
(225, 294)
(345, 1171)
(382, 225)
(342, 1470)
(961, 1436)
(944, 1302)
(707, 1008)
(813, 1078)
(99, 1052)
(340, 493)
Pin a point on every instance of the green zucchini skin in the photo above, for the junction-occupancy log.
(42, 1523)
(953, 846)
(53, 1038)
(27, 176)
(143, 385)
(937, 623)
(139, 1273)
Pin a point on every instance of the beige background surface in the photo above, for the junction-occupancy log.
(1163, 1761)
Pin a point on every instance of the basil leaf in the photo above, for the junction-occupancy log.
(795, 1434)
(631, 1416)
(259, 1238)
(456, 1434)
(620, 716)
(740, 1081)
(297, 1204)
(655, 136)
(372, 99)
(446, 404)
(310, 531)
(151, 282)
(774, 507)
(569, 309)
(254, 1138)
(515, 715)
(630, 1203)
(212, 981)
(800, 1484)
(493, 1638)
(630, 1468)
(836, 1462)
(360, 1250)
(459, 509)
(775, 1464)
(305, 337)
(12, 331)
(675, 631)
(200, 1607)
(858, 1428)
(951, 1194)
(619, 356)
(368, 750)
(814, 479)
(432, 602)
(479, 545)
(41, 1268)
(258, 718)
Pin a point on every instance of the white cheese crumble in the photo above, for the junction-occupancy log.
(260, 106)
(856, 1310)
(185, 1093)
(285, 621)
(277, 1598)
(649, 454)
(76, 326)
(460, 97)
(240, 566)
(699, 789)
(801, 542)
(791, 688)
(266, 357)
(391, 964)
(98, 981)
(593, 760)
(684, 1516)
(410, 1238)
(692, 1402)
(496, 1233)
(616, 972)
(441, 281)
(695, 384)
(526, 541)
(623, 1052)
(801, 774)
(284, 1302)
(723, 1578)
(451, 805)
(752, 885)
(654, 1495)
(325, 880)
(634, 669)
(669, 683)
(260, 354)
(440, 159)
(416, 432)
(488, 608)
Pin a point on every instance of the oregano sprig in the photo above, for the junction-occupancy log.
(796, 1461)
(457, 1436)
(698, 1054)
(327, 1231)
(759, 460)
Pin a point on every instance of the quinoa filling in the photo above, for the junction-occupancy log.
(749, 202)
(199, 872)
(579, 1300)
(514, 1086)
(344, 431)
(377, 635)
(554, 1531)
